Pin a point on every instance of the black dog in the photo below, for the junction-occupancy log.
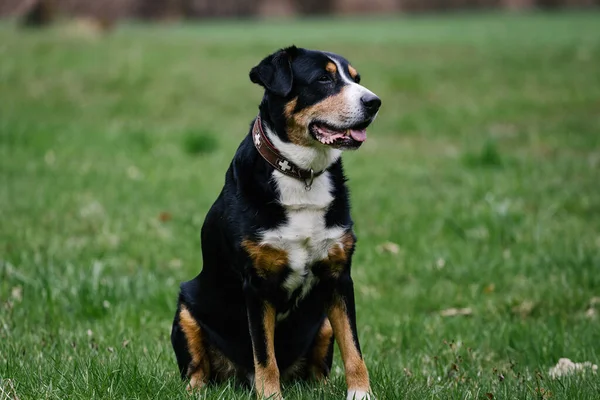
(277, 243)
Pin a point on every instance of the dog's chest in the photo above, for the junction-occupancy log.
(305, 236)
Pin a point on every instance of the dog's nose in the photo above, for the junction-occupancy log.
(371, 103)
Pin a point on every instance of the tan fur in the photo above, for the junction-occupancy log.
(267, 377)
(290, 107)
(297, 123)
(266, 259)
(353, 72)
(338, 254)
(199, 368)
(357, 377)
(320, 349)
(331, 67)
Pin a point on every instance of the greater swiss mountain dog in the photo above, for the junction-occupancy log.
(277, 244)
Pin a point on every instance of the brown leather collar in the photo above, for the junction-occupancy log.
(277, 161)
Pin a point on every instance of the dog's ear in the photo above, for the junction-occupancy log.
(274, 73)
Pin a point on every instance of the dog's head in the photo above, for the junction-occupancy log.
(314, 98)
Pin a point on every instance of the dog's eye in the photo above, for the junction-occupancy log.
(324, 78)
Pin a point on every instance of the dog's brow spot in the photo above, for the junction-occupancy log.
(331, 67)
(352, 71)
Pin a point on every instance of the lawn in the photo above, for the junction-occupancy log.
(478, 190)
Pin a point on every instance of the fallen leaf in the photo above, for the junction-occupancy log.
(489, 288)
(389, 247)
(452, 371)
(544, 393)
(165, 216)
(134, 173)
(489, 396)
(524, 309)
(568, 367)
(17, 293)
(125, 343)
(453, 312)
(110, 349)
(49, 157)
(591, 313)
(440, 263)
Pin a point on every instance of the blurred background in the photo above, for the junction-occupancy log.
(107, 11)
(475, 198)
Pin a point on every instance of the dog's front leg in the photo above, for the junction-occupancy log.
(261, 319)
(342, 316)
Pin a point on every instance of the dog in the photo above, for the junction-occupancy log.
(275, 290)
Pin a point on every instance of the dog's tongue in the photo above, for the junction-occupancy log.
(359, 135)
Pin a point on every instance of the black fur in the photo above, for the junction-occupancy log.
(228, 292)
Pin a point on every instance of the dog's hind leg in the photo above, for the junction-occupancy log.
(321, 354)
(190, 349)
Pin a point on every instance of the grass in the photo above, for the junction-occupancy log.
(483, 169)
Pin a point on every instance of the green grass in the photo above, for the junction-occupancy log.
(483, 167)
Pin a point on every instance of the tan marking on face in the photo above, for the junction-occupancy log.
(331, 67)
(338, 254)
(357, 376)
(353, 72)
(199, 368)
(266, 259)
(267, 377)
(290, 107)
(297, 124)
(320, 351)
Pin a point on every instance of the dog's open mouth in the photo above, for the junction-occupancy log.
(351, 137)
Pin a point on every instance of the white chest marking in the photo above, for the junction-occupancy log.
(304, 236)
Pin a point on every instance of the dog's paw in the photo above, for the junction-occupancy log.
(359, 395)
(266, 394)
(274, 396)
